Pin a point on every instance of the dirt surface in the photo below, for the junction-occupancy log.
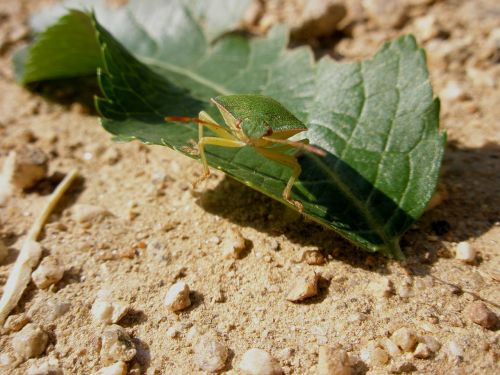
(160, 230)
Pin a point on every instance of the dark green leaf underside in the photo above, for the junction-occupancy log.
(377, 119)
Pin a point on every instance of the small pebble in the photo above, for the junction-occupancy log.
(317, 18)
(172, 332)
(455, 350)
(116, 345)
(49, 272)
(192, 335)
(426, 27)
(234, 245)
(177, 297)
(422, 351)
(3, 251)
(209, 354)
(119, 368)
(285, 354)
(304, 287)
(111, 156)
(431, 343)
(402, 367)
(259, 362)
(15, 323)
(30, 166)
(405, 338)
(386, 13)
(30, 342)
(332, 362)
(382, 288)
(314, 258)
(465, 252)
(390, 347)
(453, 91)
(480, 314)
(374, 356)
(108, 312)
(83, 213)
(50, 367)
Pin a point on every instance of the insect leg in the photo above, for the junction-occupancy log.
(288, 161)
(215, 141)
(210, 123)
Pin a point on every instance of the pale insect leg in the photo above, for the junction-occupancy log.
(288, 161)
(227, 141)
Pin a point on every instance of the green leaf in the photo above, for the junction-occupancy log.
(377, 119)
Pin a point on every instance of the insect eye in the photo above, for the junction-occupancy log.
(269, 131)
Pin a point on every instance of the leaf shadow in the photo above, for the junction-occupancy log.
(246, 207)
(69, 91)
(467, 173)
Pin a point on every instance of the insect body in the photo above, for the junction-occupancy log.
(257, 121)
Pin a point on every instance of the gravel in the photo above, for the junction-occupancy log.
(30, 342)
(118, 368)
(49, 272)
(332, 362)
(209, 354)
(465, 252)
(480, 314)
(116, 345)
(405, 338)
(305, 286)
(259, 362)
(177, 297)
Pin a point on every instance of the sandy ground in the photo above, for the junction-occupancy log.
(161, 230)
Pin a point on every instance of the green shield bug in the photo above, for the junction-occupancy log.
(257, 121)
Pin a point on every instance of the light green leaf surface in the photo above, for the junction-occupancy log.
(377, 119)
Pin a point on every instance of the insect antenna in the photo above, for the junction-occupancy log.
(188, 119)
(303, 146)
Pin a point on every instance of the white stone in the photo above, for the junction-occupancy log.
(86, 212)
(426, 27)
(177, 297)
(116, 345)
(259, 362)
(192, 334)
(390, 347)
(108, 312)
(304, 287)
(49, 272)
(172, 332)
(30, 342)
(118, 368)
(332, 362)
(209, 354)
(234, 246)
(422, 351)
(405, 338)
(101, 311)
(374, 355)
(382, 288)
(454, 349)
(386, 13)
(453, 91)
(465, 252)
(431, 343)
(49, 367)
(14, 323)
